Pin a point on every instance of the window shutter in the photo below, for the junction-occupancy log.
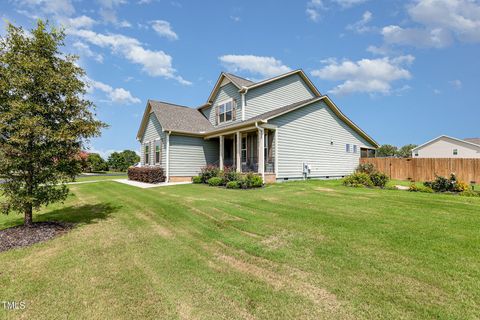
(234, 110)
(216, 115)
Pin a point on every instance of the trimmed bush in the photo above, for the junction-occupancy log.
(251, 180)
(230, 174)
(379, 179)
(367, 168)
(197, 179)
(215, 181)
(461, 186)
(146, 174)
(358, 179)
(414, 188)
(208, 172)
(233, 185)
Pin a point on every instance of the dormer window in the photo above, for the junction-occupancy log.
(226, 111)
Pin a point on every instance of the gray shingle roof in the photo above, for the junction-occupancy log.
(180, 118)
(473, 140)
(239, 81)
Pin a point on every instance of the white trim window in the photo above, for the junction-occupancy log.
(146, 153)
(225, 111)
(244, 149)
(455, 152)
(354, 148)
(158, 151)
(347, 148)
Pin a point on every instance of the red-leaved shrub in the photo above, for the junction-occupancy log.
(146, 174)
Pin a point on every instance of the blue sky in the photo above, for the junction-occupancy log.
(404, 71)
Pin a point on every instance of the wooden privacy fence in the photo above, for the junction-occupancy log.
(425, 169)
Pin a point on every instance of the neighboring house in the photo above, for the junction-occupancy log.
(448, 147)
(282, 128)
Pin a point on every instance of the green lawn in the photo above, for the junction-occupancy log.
(116, 175)
(307, 250)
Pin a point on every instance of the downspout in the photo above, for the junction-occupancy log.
(167, 156)
(262, 132)
(244, 101)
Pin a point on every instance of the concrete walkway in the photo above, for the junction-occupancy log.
(144, 185)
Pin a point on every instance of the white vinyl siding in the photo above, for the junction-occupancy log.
(153, 131)
(226, 92)
(276, 94)
(189, 154)
(444, 147)
(314, 134)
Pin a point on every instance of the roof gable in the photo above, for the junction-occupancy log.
(175, 118)
(225, 78)
(456, 140)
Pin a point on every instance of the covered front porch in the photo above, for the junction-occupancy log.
(249, 150)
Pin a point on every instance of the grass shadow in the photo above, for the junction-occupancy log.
(85, 214)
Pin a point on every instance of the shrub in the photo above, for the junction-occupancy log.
(358, 179)
(233, 185)
(414, 188)
(379, 179)
(208, 172)
(230, 174)
(367, 168)
(461, 186)
(146, 174)
(197, 179)
(215, 181)
(442, 184)
(251, 180)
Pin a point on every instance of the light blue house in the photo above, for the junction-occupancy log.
(282, 128)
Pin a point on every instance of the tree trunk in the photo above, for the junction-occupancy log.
(27, 222)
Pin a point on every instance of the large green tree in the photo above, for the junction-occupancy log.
(406, 150)
(44, 118)
(96, 163)
(120, 161)
(387, 150)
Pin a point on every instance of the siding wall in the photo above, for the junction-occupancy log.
(304, 135)
(153, 131)
(228, 91)
(276, 94)
(443, 148)
(189, 154)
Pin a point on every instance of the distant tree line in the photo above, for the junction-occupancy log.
(388, 150)
(117, 161)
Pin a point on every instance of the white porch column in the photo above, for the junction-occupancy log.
(275, 145)
(222, 150)
(167, 157)
(261, 152)
(239, 151)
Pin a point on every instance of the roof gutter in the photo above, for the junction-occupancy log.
(243, 95)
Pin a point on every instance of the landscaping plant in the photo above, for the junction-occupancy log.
(146, 174)
(45, 121)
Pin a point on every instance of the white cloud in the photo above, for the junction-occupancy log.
(84, 49)
(80, 22)
(437, 37)
(361, 25)
(366, 75)
(316, 7)
(49, 7)
(115, 95)
(313, 9)
(108, 12)
(349, 3)
(264, 66)
(235, 18)
(164, 29)
(154, 63)
(457, 84)
(440, 22)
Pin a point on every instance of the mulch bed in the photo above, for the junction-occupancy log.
(21, 236)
